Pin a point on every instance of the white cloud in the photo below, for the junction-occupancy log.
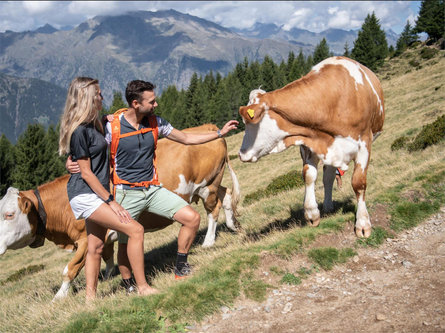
(311, 15)
(37, 7)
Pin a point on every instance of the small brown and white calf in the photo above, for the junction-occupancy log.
(192, 172)
(334, 113)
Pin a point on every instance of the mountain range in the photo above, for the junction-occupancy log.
(165, 47)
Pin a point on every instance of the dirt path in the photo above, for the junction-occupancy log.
(398, 287)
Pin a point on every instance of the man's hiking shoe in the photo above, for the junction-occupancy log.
(185, 271)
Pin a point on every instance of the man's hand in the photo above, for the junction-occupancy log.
(230, 125)
(72, 167)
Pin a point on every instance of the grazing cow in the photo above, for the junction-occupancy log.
(25, 221)
(333, 113)
(193, 172)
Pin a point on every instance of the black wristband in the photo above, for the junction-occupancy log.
(110, 198)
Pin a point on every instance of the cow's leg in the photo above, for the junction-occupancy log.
(363, 223)
(225, 196)
(73, 268)
(212, 206)
(108, 253)
(328, 183)
(310, 163)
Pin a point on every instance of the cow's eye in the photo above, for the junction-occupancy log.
(8, 216)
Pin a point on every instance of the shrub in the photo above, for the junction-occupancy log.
(429, 135)
(414, 63)
(21, 273)
(428, 53)
(399, 143)
(279, 184)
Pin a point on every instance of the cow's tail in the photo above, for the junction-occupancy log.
(235, 187)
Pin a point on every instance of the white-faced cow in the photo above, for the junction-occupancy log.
(193, 172)
(334, 113)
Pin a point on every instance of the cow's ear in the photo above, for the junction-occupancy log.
(25, 205)
(250, 113)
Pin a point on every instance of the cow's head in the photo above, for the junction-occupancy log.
(262, 135)
(15, 229)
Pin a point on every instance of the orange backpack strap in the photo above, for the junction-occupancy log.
(116, 135)
(154, 125)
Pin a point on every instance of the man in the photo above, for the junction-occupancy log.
(135, 176)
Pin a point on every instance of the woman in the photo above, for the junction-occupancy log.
(81, 135)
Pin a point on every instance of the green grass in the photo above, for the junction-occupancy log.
(279, 184)
(327, 257)
(290, 278)
(377, 237)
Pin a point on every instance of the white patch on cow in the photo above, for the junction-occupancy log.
(352, 67)
(261, 138)
(204, 192)
(188, 188)
(278, 148)
(343, 150)
(374, 91)
(211, 230)
(362, 216)
(354, 70)
(15, 230)
(65, 271)
(311, 211)
(227, 206)
(63, 291)
(253, 96)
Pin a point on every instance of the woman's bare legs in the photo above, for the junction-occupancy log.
(104, 218)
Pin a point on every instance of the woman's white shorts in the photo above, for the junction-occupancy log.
(83, 205)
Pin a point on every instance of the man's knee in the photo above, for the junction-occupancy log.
(188, 217)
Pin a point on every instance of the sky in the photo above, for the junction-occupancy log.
(314, 16)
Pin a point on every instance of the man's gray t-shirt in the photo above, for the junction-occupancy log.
(135, 153)
(87, 141)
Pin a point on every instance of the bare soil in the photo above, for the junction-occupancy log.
(396, 287)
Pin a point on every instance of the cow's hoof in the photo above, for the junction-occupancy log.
(208, 244)
(314, 223)
(363, 232)
(312, 216)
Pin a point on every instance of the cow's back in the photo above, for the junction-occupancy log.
(177, 162)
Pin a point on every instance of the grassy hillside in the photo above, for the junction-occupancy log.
(403, 188)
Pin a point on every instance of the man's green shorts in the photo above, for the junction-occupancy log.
(155, 199)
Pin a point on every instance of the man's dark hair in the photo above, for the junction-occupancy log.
(135, 89)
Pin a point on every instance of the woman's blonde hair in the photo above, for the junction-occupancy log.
(80, 108)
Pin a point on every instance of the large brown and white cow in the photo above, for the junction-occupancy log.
(334, 113)
(192, 172)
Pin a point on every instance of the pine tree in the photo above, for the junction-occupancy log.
(55, 163)
(370, 47)
(431, 19)
(118, 102)
(407, 37)
(321, 51)
(267, 74)
(31, 159)
(6, 164)
(346, 52)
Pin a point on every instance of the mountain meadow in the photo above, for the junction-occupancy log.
(406, 185)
